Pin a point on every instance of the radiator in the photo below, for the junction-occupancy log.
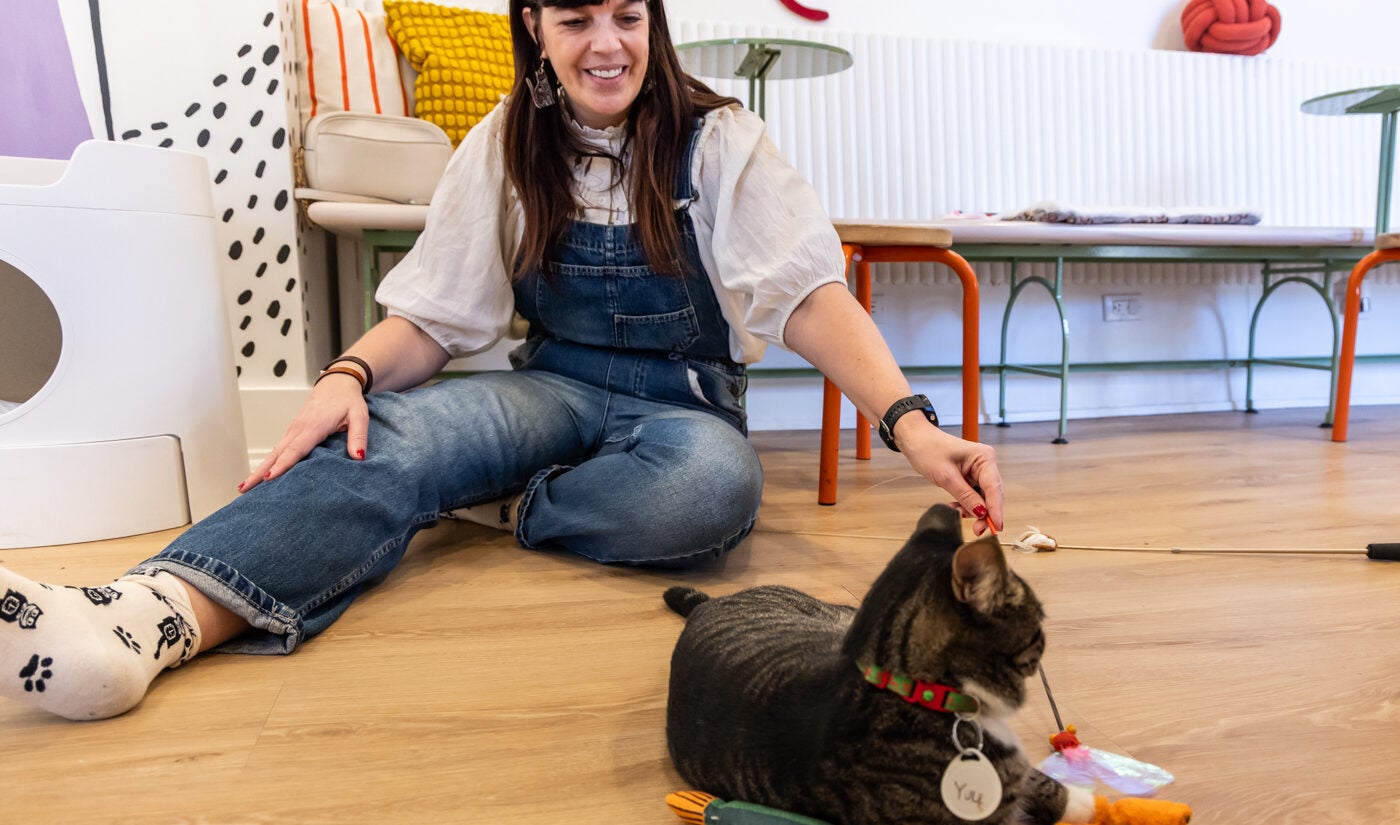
(920, 127)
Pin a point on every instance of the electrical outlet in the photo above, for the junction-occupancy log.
(1339, 297)
(1122, 307)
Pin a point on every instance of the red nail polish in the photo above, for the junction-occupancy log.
(240, 486)
(268, 476)
(360, 453)
(980, 511)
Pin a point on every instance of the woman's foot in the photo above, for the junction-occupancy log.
(91, 652)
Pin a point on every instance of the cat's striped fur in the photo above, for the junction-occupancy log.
(767, 704)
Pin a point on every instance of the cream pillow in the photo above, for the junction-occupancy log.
(346, 61)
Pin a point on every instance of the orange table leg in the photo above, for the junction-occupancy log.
(829, 452)
(830, 444)
(863, 290)
(971, 356)
(971, 363)
(1342, 414)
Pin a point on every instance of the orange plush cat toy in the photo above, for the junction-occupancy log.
(697, 808)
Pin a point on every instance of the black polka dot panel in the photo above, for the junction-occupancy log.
(235, 112)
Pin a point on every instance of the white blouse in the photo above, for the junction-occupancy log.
(764, 239)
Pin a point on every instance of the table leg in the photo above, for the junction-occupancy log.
(864, 297)
(1387, 173)
(1347, 359)
(1059, 295)
(369, 279)
(830, 445)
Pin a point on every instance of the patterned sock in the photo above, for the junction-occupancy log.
(91, 652)
(501, 514)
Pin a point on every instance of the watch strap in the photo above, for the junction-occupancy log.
(898, 410)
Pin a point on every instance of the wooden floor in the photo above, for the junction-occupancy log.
(486, 684)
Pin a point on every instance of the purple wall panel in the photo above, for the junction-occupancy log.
(41, 110)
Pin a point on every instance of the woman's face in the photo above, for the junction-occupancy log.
(599, 53)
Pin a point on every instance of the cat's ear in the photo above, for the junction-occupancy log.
(941, 520)
(980, 575)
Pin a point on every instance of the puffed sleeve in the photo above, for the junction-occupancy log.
(454, 283)
(771, 243)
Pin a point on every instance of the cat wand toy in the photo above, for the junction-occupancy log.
(1072, 762)
(1034, 541)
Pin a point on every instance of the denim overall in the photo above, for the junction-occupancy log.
(621, 424)
(603, 316)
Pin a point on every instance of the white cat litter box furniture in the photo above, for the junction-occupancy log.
(119, 406)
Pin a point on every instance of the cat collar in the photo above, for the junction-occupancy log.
(929, 694)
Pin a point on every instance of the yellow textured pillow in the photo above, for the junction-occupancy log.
(463, 58)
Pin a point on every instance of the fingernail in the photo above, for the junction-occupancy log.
(979, 511)
(360, 453)
(268, 476)
(240, 486)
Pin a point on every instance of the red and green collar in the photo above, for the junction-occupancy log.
(928, 694)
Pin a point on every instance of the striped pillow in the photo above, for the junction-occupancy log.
(346, 62)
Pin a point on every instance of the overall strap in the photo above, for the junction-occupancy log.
(685, 190)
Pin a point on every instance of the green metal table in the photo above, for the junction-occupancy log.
(760, 59)
(1373, 100)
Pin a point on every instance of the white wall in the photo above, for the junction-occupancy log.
(922, 323)
(1351, 31)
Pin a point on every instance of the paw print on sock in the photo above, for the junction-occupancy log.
(16, 609)
(127, 639)
(174, 632)
(36, 673)
(101, 595)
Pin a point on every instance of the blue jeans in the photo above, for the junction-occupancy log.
(609, 475)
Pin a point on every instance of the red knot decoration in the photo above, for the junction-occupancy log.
(1229, 26)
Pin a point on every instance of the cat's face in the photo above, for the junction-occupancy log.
(953, 613)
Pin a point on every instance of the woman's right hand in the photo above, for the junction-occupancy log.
(336, 405)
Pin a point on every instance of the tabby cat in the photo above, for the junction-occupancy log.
(780, 699)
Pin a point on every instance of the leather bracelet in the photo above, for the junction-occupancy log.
(368, 383)
(342, 371)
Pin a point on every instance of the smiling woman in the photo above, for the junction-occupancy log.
(599, 55)
(609, 64)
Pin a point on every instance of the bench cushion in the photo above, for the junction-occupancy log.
(1028, 232)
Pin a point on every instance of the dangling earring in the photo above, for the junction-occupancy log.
(540, 91)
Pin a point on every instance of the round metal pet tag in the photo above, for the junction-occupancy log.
(971, 788)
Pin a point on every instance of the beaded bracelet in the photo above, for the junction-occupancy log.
(368, 382)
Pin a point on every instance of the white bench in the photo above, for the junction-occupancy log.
(1286, 254)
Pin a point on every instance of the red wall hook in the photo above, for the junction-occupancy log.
(810, 14)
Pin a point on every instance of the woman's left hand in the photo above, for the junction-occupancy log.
(965, 469)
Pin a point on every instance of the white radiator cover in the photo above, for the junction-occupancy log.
(920, 127)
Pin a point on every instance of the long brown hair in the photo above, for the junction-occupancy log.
(539, 145)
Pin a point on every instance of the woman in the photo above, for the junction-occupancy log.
(655, 242)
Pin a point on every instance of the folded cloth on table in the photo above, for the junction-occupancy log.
(1060, 212)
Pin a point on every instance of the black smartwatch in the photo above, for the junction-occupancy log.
(898, 409)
